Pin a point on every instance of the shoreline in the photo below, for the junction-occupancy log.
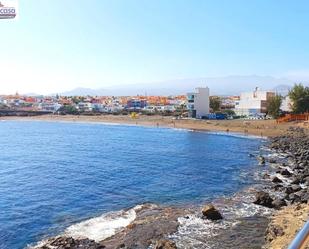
(258, 128)
(211, 132)
(180, 217)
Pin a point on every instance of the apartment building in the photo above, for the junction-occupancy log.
(198, 102)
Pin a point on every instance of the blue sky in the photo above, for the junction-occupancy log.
(58, 45)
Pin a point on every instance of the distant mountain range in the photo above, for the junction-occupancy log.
(230, 85)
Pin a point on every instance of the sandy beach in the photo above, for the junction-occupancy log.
(261, 128)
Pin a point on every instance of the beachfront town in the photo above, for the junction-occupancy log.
(197, 104)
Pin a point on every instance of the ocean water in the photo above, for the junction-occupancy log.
(58, 177)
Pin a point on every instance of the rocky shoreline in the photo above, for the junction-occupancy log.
(286, 177)
(289, 191)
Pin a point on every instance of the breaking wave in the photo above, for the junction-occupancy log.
(99, 228)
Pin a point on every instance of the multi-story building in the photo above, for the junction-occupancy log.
(136, 104)
(198, 102)
(253, 103)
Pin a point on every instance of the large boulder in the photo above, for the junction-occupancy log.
(165, 244)
(278, 203)
(292, 189)
(303, 195)
(262, 198)
(276, 179)
(210, 212)
(285, 172)
(294, 198)
(295, 180)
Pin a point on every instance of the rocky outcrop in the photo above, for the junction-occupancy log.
(292, 184)
(262, 198)
(151, 227)
(278, 203)
(211, 213)
(292, 179)
(70, 243)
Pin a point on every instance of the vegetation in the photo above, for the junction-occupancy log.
(229, 112)
(273, 106)
(68, 109)
(299, 96)
(215, 103)
(180, 110)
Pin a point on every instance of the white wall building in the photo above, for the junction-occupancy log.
(53, 107)
(253, 103)
(198, 102)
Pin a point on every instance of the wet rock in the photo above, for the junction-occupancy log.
(261, 160)
(152, 224)
(303, 195)
(165, 244)
(247, 232)
(70, 243)
(266, 176)
(272, 160)
(305, 180)
(292, 189)
(262, 198)
(277, 187)
(276, 179)
(211, 213)
(294, 198)
(295, 180)
(285, 172)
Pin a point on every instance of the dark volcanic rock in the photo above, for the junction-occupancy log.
(276, 179)
(277, 187)
(152, 224)
(295, 180)
(303, 195)
(262, 198)
(248, 232)
(292, 189)
(272, 160)
(294, 198)
(70, 243)
(278, 203)
(211, 213)
(285, 172)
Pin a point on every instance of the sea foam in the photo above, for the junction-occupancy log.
(104, 226)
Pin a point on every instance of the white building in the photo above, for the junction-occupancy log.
(53, 107)
(198, 102)
(253, 103)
